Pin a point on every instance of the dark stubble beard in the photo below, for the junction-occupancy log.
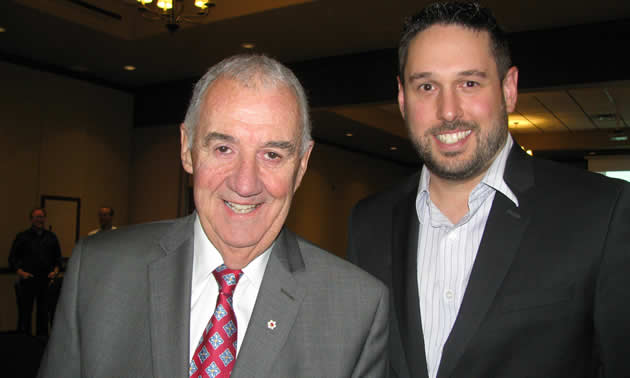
(487, 148)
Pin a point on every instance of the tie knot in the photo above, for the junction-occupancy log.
(227, 278)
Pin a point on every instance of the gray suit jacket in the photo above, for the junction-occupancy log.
(125, 311)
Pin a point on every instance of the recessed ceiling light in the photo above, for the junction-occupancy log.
(2, 30)
(348, 134)
(605, 117)
(529, 152)
(619, 138)
(129, 68)
(247, 45)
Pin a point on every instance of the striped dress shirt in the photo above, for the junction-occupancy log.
(446, 254)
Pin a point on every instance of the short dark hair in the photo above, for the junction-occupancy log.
(468, 14)
(35, 209)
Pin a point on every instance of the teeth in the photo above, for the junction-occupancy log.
(240, 209)
(451, 138)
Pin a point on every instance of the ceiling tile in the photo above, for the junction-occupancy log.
(593, 100)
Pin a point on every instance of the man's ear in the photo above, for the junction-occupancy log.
(510, 89)
(303, 165)
(186, 153)
(401, 97)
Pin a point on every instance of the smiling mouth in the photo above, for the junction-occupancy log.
(241, 209)
(452, 138)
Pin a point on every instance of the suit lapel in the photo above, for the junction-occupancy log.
(170, 284)
(405, 228)
(501, 240)
(279, 300)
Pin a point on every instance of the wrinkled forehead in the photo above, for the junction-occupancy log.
(255, 102)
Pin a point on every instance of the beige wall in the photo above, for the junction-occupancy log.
(59, 137)
(336, 179)
(156, 174)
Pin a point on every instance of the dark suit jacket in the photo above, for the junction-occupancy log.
(125, 311)
(549, 291)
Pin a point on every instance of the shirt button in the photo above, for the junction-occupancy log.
(449, 295)
(452, 236)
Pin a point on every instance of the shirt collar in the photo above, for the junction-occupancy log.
(492, 178)
(207, 258)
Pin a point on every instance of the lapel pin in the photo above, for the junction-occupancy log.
(271, 324)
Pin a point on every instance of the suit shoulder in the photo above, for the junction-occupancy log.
(389, 197)
(580, 181)
(134, 240)
(134, 231)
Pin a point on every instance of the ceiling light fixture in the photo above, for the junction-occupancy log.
(247, 45)
(175, 12)
(129, 68)
(618, 136)
(2, 30)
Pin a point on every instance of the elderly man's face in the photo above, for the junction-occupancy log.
(246, 166)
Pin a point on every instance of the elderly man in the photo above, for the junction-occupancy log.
(227, 290)
(500, 264)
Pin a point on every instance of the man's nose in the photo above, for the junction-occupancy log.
(245, 180)
(449, 106)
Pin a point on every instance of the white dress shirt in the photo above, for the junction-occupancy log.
(447, 252)
(205, 288)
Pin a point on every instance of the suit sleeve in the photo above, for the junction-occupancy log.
(62, 357)
(612, 296)
(15, 256)
(373, 360)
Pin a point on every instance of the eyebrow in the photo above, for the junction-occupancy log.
(425, 75)
(217, 136)
(477, 73)
(419, 76)
(283, 145)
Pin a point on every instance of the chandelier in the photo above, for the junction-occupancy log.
(175, 12)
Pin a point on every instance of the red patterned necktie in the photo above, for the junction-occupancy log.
(216, 352)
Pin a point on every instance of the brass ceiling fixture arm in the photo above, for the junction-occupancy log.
(175, 12)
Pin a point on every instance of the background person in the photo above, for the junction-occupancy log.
(36, 257)
(105, 219)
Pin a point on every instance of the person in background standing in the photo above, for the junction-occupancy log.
(36, 257)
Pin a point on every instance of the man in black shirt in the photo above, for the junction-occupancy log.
(36, 257)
